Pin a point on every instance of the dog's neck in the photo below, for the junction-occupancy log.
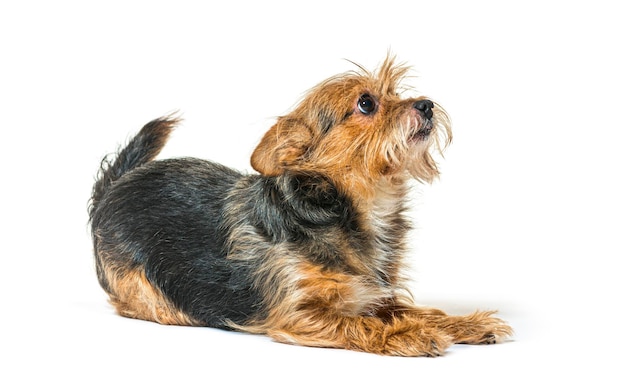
(381, 197)
(388, 200)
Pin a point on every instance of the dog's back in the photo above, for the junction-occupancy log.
(155, 221)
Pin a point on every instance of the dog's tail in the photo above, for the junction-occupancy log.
(141, 149)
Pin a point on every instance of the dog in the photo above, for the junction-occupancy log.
(310, 250)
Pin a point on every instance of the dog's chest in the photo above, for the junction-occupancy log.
(389, 227)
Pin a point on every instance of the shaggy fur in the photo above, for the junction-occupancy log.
(308, 251)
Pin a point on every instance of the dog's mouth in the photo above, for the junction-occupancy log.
(423, 133)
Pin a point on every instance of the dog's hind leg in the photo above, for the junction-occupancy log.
(134, 296)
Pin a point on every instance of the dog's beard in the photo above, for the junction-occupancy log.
(412, 140)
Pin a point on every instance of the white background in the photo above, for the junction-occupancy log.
(528, 216)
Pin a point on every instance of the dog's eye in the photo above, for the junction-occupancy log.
(366, 104)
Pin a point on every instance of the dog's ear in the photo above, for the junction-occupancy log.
(282, 147)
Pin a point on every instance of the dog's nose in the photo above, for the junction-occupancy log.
(425, 106)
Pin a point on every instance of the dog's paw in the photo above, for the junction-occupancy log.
(478, 328)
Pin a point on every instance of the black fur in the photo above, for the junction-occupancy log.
(201, 231)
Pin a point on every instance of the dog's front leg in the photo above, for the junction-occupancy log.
(399, 337)
(338, 310)
(479, 327)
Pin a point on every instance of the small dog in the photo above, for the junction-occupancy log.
(309, 251)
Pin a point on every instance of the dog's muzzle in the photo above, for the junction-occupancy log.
(425, 109)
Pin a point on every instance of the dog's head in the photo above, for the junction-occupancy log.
(356, 128)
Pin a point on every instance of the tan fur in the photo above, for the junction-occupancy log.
(360, 151)
(133, 296)
(328, 309)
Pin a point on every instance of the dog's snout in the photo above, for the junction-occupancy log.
(425, 107)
